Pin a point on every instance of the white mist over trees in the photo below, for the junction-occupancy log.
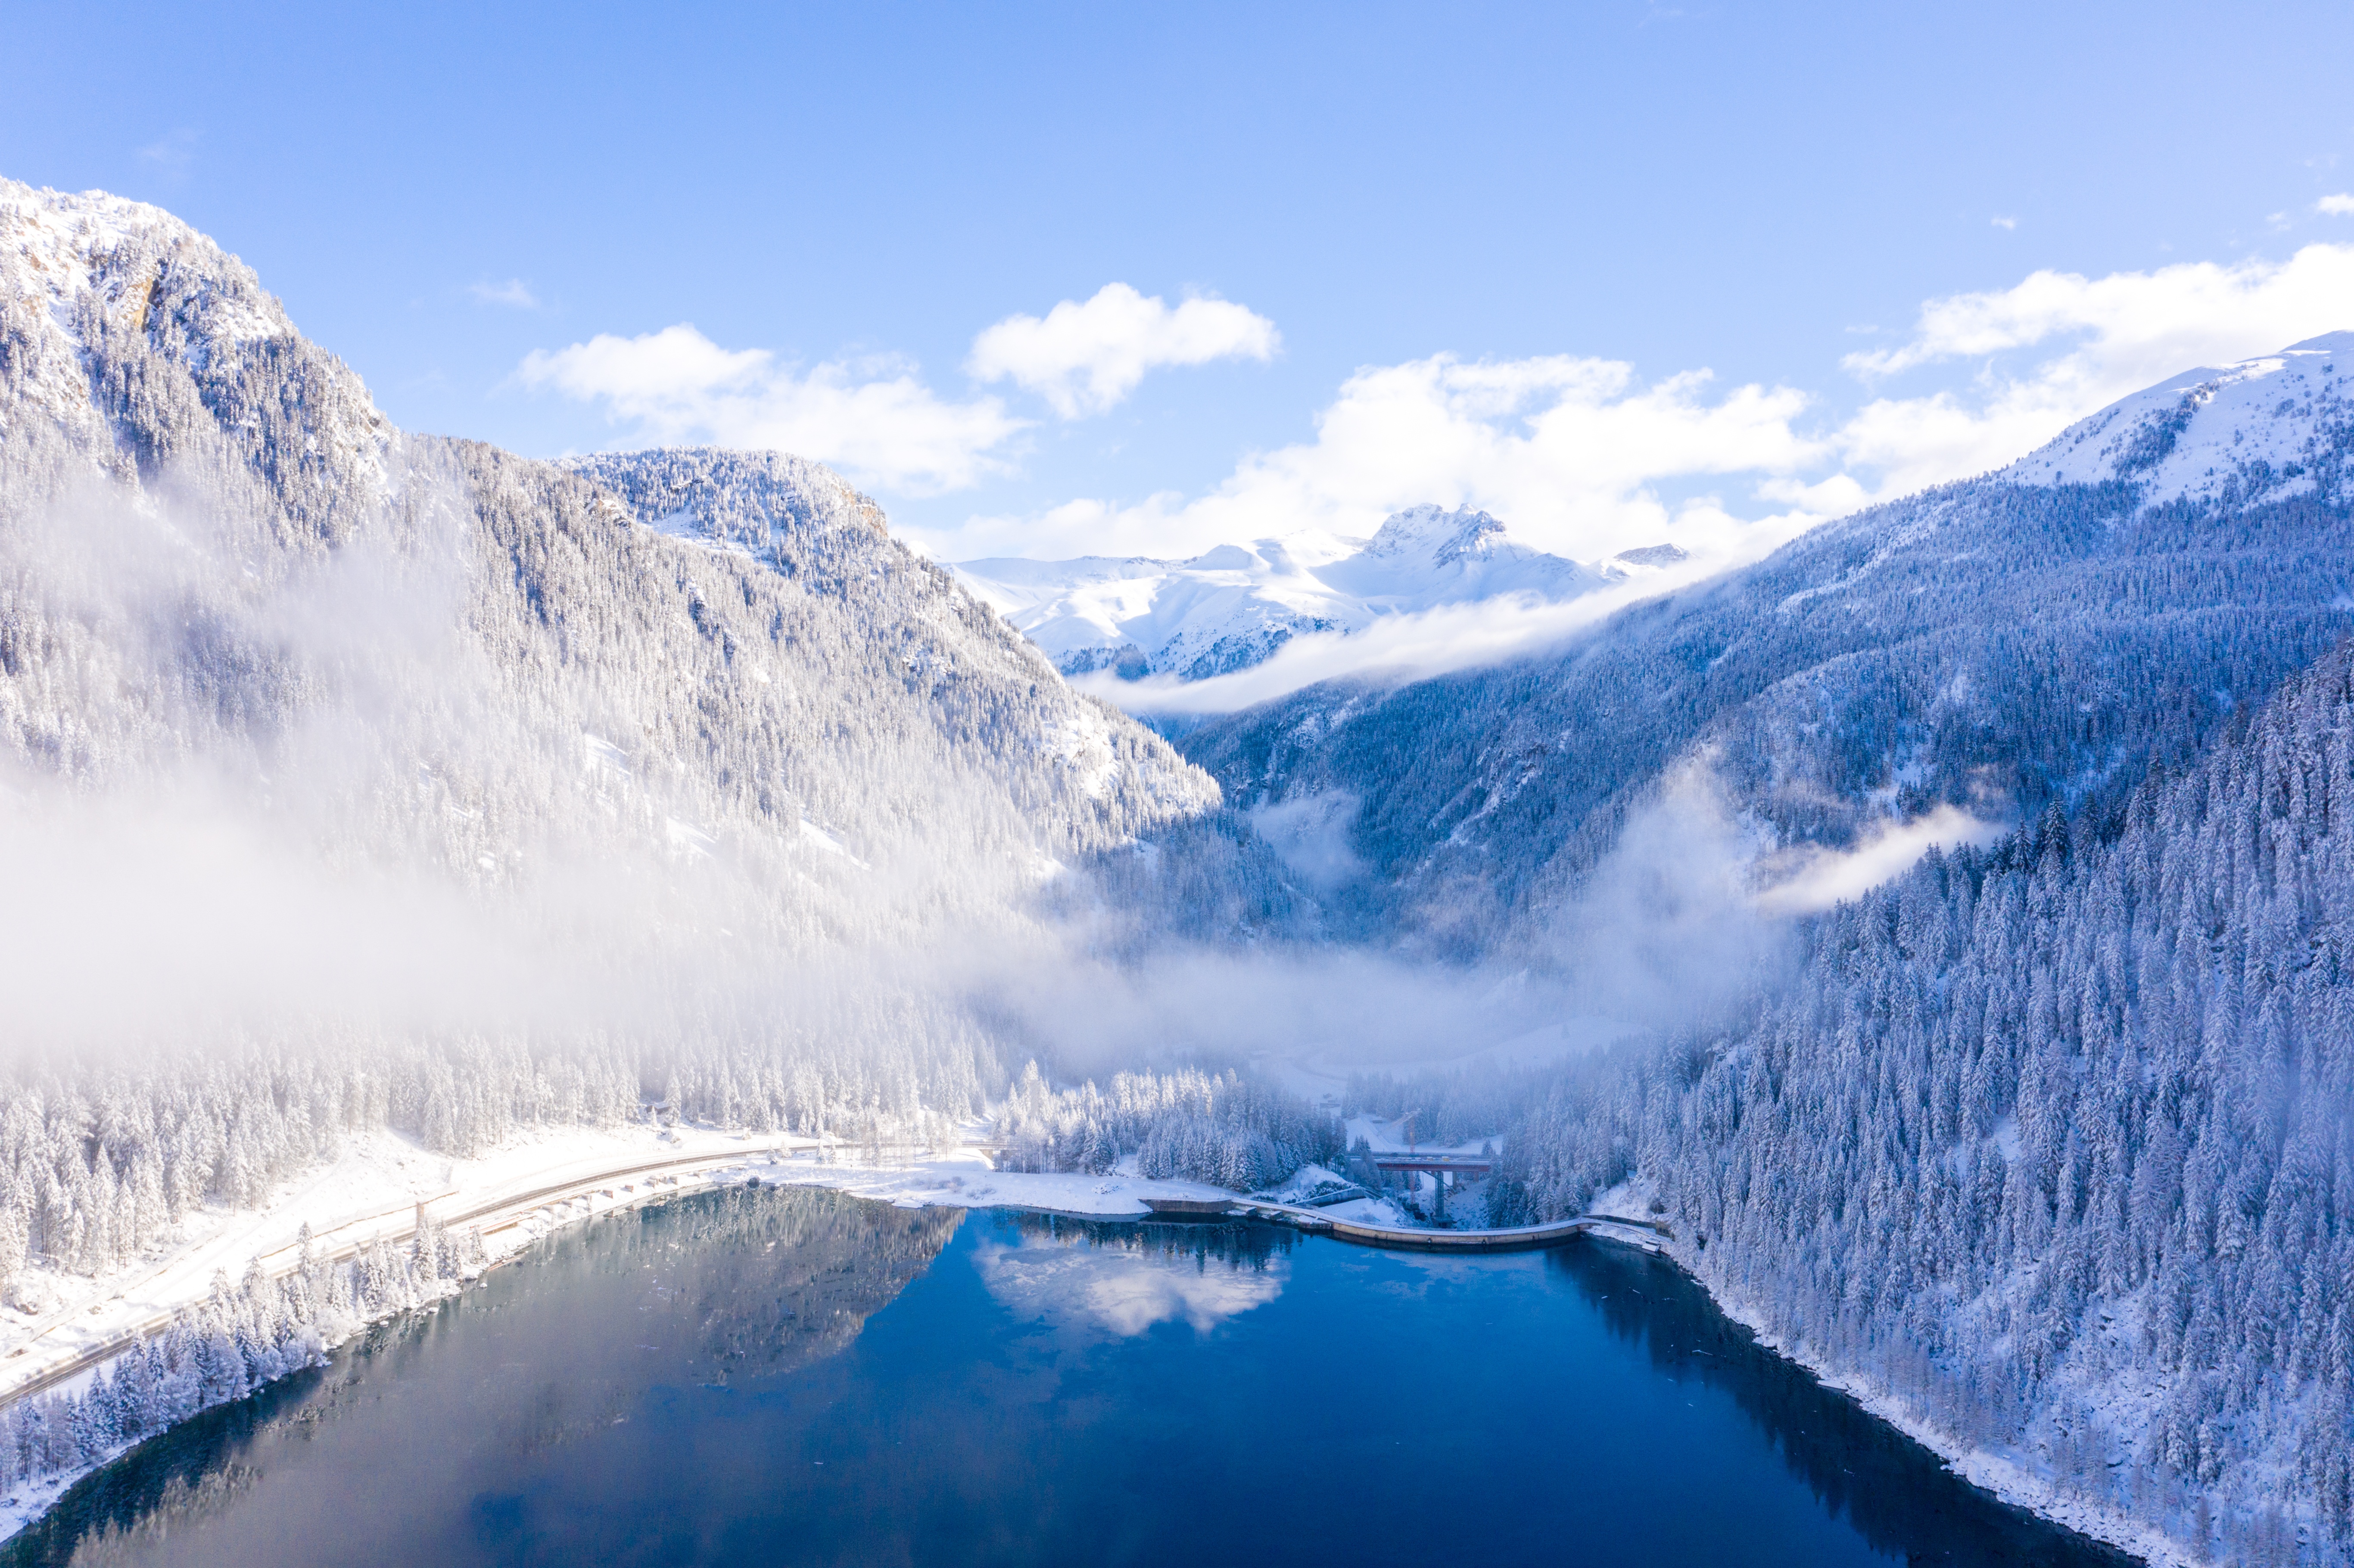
(1990, 646)
(365, 779)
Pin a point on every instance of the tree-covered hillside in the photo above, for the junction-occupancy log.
(359, 777)
(1994, 646)
(2055, 1140)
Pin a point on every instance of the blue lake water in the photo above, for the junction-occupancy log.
(790, 1376)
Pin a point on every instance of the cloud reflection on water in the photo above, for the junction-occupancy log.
(1125, 1286)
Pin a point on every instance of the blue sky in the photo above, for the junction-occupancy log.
(1466, 253)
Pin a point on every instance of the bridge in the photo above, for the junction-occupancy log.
(1460, 1164)
(1391, 1163)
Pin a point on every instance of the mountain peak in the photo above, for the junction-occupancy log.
(1233, 606)
(2261, 428)
(1445, 535)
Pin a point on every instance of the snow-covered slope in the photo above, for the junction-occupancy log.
(2261, 429)
(1991, 647)
(1235, 605)
(495, 763)
(147, 382)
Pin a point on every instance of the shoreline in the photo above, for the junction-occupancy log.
(2000, 1476)
(509, 1200)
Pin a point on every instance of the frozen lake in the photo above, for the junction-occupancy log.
(791, 1376)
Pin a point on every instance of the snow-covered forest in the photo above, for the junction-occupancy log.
(825, 1264)
(241, 1338)
(1223, 1130)
(377, 781)
(2055, 1140)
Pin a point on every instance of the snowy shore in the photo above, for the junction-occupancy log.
(2008, 1476)
(63, 1329)
(384, 1182)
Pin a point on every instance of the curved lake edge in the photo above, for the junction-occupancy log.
(2001, 1480)
(1956, 1460)
(1989, 1472)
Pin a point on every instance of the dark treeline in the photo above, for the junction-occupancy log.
(1244, 1247)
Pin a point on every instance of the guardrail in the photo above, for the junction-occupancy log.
(520, 1203)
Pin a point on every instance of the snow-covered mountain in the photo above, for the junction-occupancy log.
(2048, 1139)
(2264, 429)
(1232, 607)
(1994, 646)
(454, 791)
(147, 380)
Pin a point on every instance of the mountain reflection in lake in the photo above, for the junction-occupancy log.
(791, 1376)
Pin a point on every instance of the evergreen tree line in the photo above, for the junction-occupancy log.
(239, 1338)
(2053, 1140)
(1189, 1125)
(100, 1164)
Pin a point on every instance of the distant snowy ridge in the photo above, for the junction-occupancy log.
(2263, 429)
(1234, 607)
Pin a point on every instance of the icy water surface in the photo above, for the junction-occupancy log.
(789, 1376)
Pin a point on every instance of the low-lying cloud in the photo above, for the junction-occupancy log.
(1400, 648)
(1813, 877)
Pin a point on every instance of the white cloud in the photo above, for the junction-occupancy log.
(2006, 223)
(1568, 451)
(2334, 207)
(877, 419)
(1579, 457)
(1085, 358)
(513, 292)
(1121, 1289)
